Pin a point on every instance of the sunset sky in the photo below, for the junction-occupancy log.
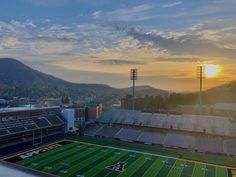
(98, 41)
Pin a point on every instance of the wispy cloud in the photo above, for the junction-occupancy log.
(171, 4)
(184, 44)
(120, 62)
(195, 59)
(197, 27)
(96, 14)
(136, 13)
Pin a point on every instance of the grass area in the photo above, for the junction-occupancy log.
(82, 159)
(207, 158)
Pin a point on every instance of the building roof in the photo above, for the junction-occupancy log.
(9, 169)
(18, 109)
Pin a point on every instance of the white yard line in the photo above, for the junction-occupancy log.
(140, 152)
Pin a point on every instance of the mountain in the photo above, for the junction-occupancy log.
(222, 93)
(17, 79)
(13, 71)
(145, 90)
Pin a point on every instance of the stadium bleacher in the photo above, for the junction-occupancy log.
(91, 131)
(107, 132)
(196, 123)
(3, 132)
(127, 134)
(196, 132)
(13, 132)
(54, 120)
(209, 144)
(151, 138)
(179, 140)
(41, 122)
(231, 146)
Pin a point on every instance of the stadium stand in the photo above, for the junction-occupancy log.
(54, 120)
(28, 124)
(10, 169)
(179, 140)
(3, 132)
(41, 122)
(29, 130)
(209, 144)
(195, 123)
(151, 138)
(231, 146)
(107, 132)
(91, 131)
(127, 134)
(205, 134)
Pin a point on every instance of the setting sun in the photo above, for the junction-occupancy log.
(212, 70)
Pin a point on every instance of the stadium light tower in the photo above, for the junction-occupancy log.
(200, 76)
(133, 77)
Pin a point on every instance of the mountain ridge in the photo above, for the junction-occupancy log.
(14, 74)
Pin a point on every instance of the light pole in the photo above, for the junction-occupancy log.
(200, 76)
(133, 77)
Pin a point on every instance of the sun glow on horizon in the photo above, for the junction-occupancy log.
(212, 71)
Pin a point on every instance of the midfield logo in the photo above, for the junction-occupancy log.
(119, 167)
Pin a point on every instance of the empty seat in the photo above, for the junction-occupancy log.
(16, 129)
(179, 140)
(151, 138)
(107, 131)
(209, 144)
(41, 122)
(54, 120)
(91, 131)
(3, 132)
(128, 134)
(231, 146)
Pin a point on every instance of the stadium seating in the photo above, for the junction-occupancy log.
(127, 134)
(197, 132)
(54, 119)
(195, 123)
(28, 124)
(107, 132)
(41, 122)
(209, 144)
(3, 132)
(151, 138)
(231, 146)
(14, 126)
(179, 140)
(91, 131)
(17, 131)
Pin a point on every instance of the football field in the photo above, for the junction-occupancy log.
(78, 159)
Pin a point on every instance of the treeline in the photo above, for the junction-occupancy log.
(169, 102)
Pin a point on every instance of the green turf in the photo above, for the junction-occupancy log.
(174, 152)
(88, 160)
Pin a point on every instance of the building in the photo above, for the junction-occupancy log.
(93, 111)
(25, 112)
(84, 114)
(30, 127)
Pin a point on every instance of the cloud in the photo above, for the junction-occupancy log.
(96, 14)
(195, 44)
(120, 62)
(183, 59)
(136, 13)
(171, 4)
(196, 27)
